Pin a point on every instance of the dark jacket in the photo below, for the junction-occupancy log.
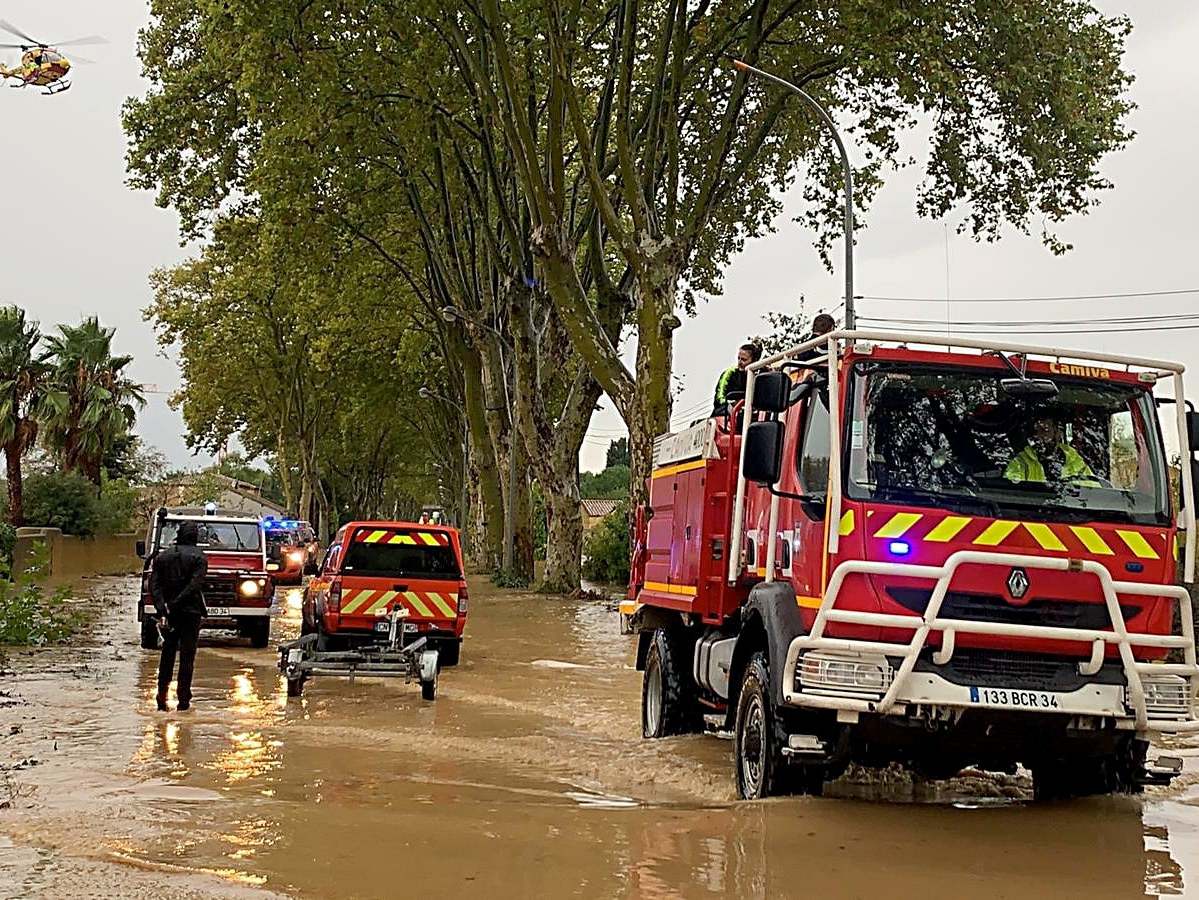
(177, 581)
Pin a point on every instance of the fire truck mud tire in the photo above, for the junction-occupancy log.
(1116, 774)
(258, 631)
(758, 741)
(668, 704)
(149, 634)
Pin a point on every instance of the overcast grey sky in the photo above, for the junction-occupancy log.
(77, 241)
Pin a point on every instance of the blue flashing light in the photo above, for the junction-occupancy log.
(900, 548)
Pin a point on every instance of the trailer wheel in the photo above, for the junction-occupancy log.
(259, 632)
(428, 689)
(667, 701)
(449, 653)
(762, 770)
(149, 634)
(295, 686)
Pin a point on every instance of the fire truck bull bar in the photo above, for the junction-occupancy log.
(931, 621)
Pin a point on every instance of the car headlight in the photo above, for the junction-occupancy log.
(296, 556)
(856, 674)
(249, 588)
(1166, 695)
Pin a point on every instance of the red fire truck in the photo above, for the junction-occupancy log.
(926, 550)
(238, 591)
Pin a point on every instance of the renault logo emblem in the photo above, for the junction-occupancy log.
(1017, 583)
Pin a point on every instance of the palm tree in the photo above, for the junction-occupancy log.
(91, 403)
(22, 390)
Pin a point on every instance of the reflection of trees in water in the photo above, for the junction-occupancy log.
(927, 433)
(932, 431)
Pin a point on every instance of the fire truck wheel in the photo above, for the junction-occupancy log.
(259, 632)
(762, 771)
(295, 686)
(149, 634)
(667, 702)
(1062, 779)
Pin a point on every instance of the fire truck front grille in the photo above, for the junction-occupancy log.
(1028, 671)
(993, 608)
(219, 592)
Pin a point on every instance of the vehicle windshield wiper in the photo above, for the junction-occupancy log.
(899, 494)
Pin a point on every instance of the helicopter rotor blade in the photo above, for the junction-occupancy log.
(12, 29)
(83, 41)
(81, 59)
(14, 46)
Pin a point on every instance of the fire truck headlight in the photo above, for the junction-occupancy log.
(843, 673)
(1166, 695)
(249, 588)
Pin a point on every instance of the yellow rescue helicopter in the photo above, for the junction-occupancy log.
(42, 65)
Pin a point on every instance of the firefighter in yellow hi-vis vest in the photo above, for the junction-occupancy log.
(1048, 458)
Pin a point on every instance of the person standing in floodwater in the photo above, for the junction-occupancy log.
(176, 585)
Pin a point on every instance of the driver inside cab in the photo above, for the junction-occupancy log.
(1047, 458)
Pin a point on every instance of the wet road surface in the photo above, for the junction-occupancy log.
(526, 778)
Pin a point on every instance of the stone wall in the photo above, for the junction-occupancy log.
(72, 557)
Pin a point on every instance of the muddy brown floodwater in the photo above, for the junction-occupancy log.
(526, 778)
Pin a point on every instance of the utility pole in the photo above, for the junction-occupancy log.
(847, 175)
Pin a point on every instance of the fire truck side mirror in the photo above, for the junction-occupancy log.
(1193, 429)
(764, 451)
(772, 392)
(140, 548)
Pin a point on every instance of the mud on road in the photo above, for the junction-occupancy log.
(526, 778)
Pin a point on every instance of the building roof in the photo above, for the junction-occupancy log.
(599, 508)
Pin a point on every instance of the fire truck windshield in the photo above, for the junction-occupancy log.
(215, 535)
(953, 438)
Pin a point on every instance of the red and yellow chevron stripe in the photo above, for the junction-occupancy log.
(937, 528)
(396, 536)
(421, 604)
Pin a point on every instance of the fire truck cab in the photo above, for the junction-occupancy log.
(238, 591)
(925, 550)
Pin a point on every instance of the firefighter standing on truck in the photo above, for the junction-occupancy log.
(176, 583)
(732, 379)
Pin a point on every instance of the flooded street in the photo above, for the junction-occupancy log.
(526, 778)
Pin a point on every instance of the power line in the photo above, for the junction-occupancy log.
(1029, 299)
(1134, 330)
(1126, 320)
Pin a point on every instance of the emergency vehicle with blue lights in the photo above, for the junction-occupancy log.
(866, 561)
(238, 591)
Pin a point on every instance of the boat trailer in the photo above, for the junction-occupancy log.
(390, 657)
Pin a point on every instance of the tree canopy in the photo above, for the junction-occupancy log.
(485, 200)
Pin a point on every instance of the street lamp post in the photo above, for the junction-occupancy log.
(462, 509)
(450, 313)
(847, 171)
